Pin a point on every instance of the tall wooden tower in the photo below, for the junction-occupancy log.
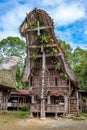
(45, 68)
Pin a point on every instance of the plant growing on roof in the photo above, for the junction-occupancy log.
(44, 39)
(53, 51)
(32, 24)
(34, 55)
(51, 40)
(57, 66)
(63, 75)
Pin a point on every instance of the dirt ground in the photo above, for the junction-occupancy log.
(51, 124)
(46, 124)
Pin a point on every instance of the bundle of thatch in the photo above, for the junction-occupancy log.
(8, 72)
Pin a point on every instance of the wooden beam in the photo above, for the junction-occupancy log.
(37, 46)
(36, 29)
(47, 55)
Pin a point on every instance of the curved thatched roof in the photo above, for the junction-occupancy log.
(8, 72)
(45, 23)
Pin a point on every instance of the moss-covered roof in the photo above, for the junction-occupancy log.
(8, 72)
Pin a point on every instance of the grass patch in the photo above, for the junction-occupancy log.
(78, 117)
(13, 116)
(84, 114)
(21, 114)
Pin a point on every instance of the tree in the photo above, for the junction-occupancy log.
(12, 46)
(67, 50)
(80, 66)
(77, 59)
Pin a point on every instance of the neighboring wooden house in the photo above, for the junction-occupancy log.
(7, 79)
(83, 100)
(54, 88)
(18, 99)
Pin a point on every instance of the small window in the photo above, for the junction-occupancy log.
(56, 82)
(31, 79)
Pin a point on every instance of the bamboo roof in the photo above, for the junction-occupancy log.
(47, 26)
(8, 72)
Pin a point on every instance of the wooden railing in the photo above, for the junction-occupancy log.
(35, 108)
(48, 108)
(17, 105)
(55, 108)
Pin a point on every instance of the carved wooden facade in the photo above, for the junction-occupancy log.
(54, 88)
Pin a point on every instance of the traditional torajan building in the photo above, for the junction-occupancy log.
(83, 100)
(19, 99)
(54, 88)
(7, 80)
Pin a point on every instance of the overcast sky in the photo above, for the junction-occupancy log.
(70, 18)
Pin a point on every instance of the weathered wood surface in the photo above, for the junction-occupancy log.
(48, 108)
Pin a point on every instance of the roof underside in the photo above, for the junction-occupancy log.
(21, 92)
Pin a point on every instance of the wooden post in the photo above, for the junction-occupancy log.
(48, 99)
(69, 105)
(0, 101)
(77, 95)
(38, 29)
(66, 104)
(80, 103)
(42, 108)
(32, 98)
(42, 86)
(32, 101)
(43, 74)
(56, 116)
(6, 103)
